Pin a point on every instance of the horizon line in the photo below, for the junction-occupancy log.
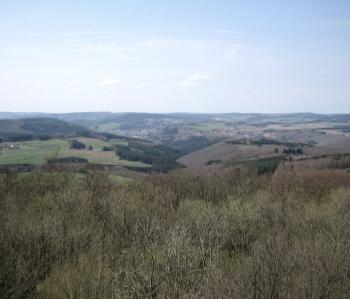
(177, 112)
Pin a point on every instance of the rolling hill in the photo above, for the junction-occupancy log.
(37, 127)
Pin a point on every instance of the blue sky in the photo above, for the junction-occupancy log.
(175, 56)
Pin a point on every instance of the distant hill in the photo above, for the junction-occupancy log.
(186, 132)
(131, 121)
(37, 127)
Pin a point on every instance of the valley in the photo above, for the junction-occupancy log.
(162, 142)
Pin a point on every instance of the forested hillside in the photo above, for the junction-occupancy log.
(30, 128)
(232, 234)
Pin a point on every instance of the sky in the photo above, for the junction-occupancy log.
(202, 56)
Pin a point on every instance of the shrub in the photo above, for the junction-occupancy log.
(231, 234)
(75, 144)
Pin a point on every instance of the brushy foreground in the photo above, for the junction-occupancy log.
(226, 235)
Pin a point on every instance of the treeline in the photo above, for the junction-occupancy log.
(162, 158)
(24, 137)
(21, 137)
(193, 144)
(68, 160)
(264, 165)
(265, 141)
(293, 151)
(75, 144)
(231, 234)
(50, 126)
(213, 162)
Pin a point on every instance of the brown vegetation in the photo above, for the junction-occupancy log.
(231, 234)
(228, 153)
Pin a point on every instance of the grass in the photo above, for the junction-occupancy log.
(119, 179)
(37, 152)
(99, 144)
(101, 157)
(95, 143)
(34, 152)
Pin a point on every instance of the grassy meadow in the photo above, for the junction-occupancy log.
(38, 152)
(34, 152)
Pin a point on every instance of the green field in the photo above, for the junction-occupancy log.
(37, 152)
(34, 152)
(95, 143)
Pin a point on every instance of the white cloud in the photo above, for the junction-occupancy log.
(166, 85)
(4, 77)
(262, 91)
(322, 72)
(142, 85)
(296, 91)
(155, 44)
(195, 79)
(109, 83)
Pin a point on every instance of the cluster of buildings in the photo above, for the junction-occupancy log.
(10, 147)
(16, 146)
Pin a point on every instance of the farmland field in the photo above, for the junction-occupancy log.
(227, 153)
(34, 152)
(37, 153)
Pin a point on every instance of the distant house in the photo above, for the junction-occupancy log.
(14, 146)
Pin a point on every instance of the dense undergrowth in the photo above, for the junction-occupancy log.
(226, 235)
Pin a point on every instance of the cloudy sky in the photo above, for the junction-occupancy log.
(175, 56)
